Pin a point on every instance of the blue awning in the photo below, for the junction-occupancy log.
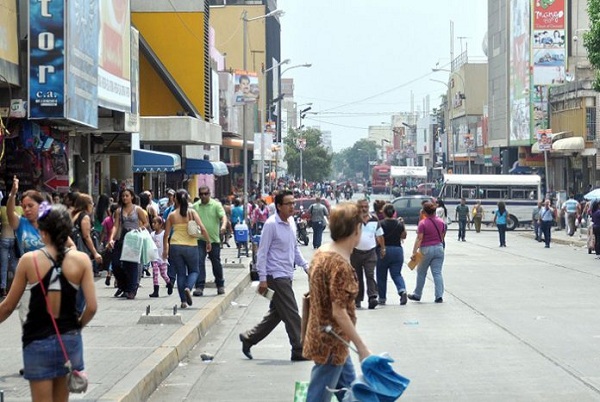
(154, 161)
(198, 166)
(220, 168)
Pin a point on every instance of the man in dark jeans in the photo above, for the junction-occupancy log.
(547, 218)
(462, 216)
(318, 213)
(213, 217)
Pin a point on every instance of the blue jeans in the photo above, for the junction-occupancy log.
(215, 260)
(317, 227)
(334, 377)
(433, 256)
(502, 233)
(392, 262)
(185, 261)
(462, 228)
(8, 260)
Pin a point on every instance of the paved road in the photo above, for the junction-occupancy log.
(518, 323)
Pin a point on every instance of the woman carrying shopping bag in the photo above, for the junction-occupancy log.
(128, 217)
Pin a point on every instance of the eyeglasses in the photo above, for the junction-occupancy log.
(202, 194)
(288, 203)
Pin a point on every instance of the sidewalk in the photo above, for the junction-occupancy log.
(579, 239)
(125, 357)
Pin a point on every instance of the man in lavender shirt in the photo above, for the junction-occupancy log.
(278, 254)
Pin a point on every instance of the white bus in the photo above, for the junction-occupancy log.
(520, 193)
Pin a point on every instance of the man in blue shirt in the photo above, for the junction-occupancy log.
(570, 208)
(278, 254)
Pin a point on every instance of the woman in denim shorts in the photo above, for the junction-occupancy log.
(62, 271)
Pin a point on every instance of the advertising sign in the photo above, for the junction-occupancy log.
(114, 91)
(246, 87)
(9, 43)
(132, 118)
(409, 171)
(519, 108)
(46, 59)
(544, 139)
(549, 55)
(82, 62)
(266, 145)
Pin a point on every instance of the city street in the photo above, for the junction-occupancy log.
(518, 323)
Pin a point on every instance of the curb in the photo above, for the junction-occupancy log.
(575, 242)
(143, 379)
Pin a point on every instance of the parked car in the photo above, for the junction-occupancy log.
(305, 203)
(408, 207)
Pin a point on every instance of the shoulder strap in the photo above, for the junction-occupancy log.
(47, 254)
(437, 230)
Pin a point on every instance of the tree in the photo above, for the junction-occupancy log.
(316, 161)
(591, 39)
(353, 162)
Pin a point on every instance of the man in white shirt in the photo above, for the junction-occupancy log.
(364, 256)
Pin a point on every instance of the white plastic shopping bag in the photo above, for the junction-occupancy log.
(132, 247)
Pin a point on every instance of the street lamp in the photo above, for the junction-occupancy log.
(264, 123)
(302, 142)
(245, 20)
(383, 149)
(464, 98)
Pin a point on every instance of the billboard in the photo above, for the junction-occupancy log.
(246, 87)
(266, 145)
(519, 76)
(549, 55)
(114, 86)
(544, 139)
(46, 59)
(132, 117)
(9, 42)
(81, 73)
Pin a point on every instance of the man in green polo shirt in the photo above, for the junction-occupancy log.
(462, 216)
(213, 217)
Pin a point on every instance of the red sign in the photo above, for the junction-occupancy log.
(58, 183)
(549, 14)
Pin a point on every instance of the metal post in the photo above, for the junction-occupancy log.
(546, 167)
(301, 176)
(244, 134)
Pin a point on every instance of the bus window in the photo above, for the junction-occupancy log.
(468, 192)
(494, 193)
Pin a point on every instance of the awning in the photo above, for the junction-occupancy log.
(198, 166)
(571, 144)
(220, 168)
(589, 152)
(154, 161)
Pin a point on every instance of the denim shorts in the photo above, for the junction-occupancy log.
(44, 359)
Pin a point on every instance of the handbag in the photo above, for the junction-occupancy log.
(415, 260)
(77, 381)
(193, 228)
(305, 315)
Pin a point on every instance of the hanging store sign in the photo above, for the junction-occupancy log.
(46, 59)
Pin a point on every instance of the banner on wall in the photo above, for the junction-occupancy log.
(114, 86)
(132, 118)
(9, 45)
(519, 75)
(549, 55)
(46, 59)
(82, 62)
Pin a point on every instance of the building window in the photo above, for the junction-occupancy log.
(590, 123)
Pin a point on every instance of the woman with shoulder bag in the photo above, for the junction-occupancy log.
(52, 276)
(390, 258)
(181, 248)
(430, 241)
(128, 217)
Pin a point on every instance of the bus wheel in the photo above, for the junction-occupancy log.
(511, 223)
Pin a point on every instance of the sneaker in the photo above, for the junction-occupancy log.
(107, 280)
(413, 297)
(439, 300)
(183, 305)
(221, 290)
(199, 292)
(188, 296)
(403, 298)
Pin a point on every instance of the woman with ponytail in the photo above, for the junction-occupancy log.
(61, 271)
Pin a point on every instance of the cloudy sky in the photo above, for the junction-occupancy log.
(368, 56)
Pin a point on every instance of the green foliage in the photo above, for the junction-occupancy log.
(316, 162)
(591, 39)
(354, 161)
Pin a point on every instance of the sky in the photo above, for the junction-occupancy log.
(368, 55)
